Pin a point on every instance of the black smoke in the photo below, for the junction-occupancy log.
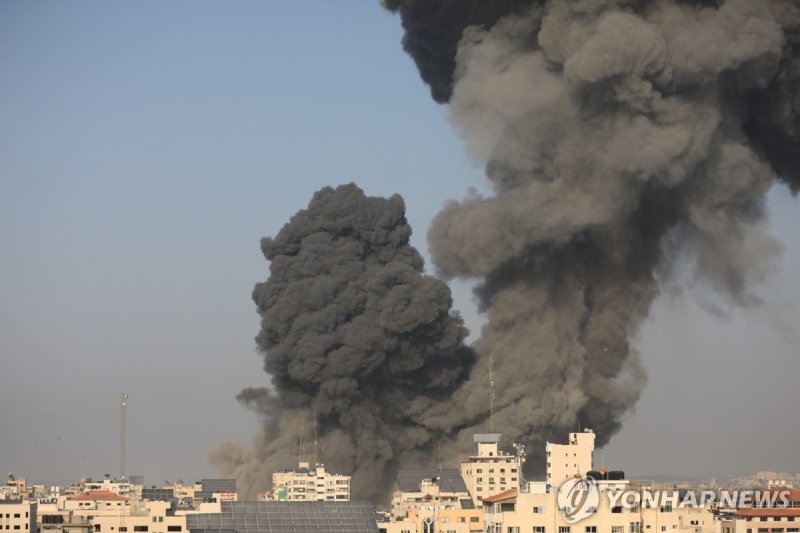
(620, 138)
(355, 336)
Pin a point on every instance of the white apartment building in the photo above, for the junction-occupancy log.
(306, 484)
(491, 471)
(574, 459)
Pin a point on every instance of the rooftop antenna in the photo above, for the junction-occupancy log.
(123, 435)
(300, 445)
(491, 393)
(316, 457)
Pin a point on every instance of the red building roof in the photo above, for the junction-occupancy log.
(769, 511)
(505, 495)
(98, 495)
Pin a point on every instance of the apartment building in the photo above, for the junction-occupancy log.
(17, 516)
(772, 515)
(145, 517)
(491, 471)
(308, 484)
(574, 459)
(537, 511)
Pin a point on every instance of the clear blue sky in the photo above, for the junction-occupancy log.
(145, 147)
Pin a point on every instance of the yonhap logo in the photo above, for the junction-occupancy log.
(578, 498)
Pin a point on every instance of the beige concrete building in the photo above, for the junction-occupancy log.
(306, 484)
(17, 516)
(574, 459)
(491, 471)
(764, 519)
(430, 519)
(429, 492)
(145, 517)
(537, 511)
(95, 503)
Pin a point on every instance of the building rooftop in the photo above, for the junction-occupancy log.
(502, 496)
(448, 479)
(286, 517)
(98, 495)
(769, 511)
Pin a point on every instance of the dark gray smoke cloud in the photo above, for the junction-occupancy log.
(353, 331)
(621, 138)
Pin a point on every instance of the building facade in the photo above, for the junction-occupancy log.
(491, 471)
(574, 459)
(308, 484)
(17, 516)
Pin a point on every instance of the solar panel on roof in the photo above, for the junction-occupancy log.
(449, 479)
(467, 503)
(288, 517)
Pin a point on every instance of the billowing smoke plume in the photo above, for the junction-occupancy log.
(618, 135)
(622, 138)
(355, 336)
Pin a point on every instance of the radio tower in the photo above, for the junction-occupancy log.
(123, 435)
(491, 393)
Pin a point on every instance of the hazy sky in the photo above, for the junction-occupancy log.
(145, 147)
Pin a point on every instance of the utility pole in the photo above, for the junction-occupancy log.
(123, 435)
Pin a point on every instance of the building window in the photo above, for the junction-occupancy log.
(617, 509)
(538, 510)
(141, 529)
(174, 528)
(474, 519)
(635, 527)
(97, 527)
(513, 529)
(666, 508)
(123, 529)
(591, 529)
(538, 529)
(563, 529)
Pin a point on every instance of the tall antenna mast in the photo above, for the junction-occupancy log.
(123, 435)
(316, 457)
(300, 445)
(491, 393)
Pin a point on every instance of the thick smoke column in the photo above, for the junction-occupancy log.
(618, 136)
(353, 332)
